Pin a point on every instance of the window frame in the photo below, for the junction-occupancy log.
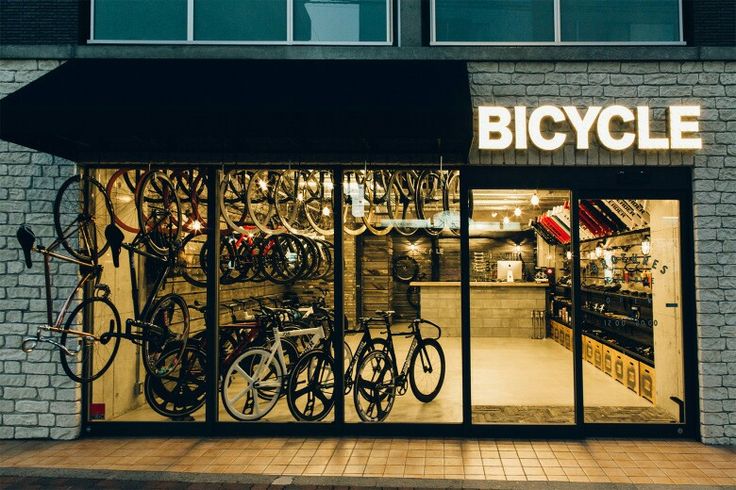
(558, 34)
(289, 33)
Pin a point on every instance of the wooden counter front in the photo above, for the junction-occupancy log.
(497, 309)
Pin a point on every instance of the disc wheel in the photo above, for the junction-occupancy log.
(252, 385)
(311, 390)
(92, 357)
(375, 387)
(182, 391)
(82, 210)
(427, 370)
(171, 319)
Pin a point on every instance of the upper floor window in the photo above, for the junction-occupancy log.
(243, 21)
(555, 21)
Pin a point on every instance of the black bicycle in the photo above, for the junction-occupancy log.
(378, 380)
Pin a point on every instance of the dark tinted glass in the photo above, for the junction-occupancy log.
(340, 21)
(620, 21)
(164, 20)
(240, 20)
(494, 20)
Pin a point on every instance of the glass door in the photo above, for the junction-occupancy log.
(631, 318)
(521, 328)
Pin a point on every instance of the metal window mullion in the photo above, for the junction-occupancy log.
(190, 20)
(558, 22)
(389, 23)
(682, 23)
(92, 20)
(290, 21)
(432, 23)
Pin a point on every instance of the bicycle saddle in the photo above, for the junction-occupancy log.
(385, 313)
(115, 238)
(26, 238)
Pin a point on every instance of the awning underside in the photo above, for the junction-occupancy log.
(244, 111)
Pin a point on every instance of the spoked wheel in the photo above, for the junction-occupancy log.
(430, 201)
(260, 201)
(452, 202)
(377, 218)
(159, 212)
(190, 263)
(284, 262)
(319, 202)
(311, 393)
(375, 387)
(252, 385)
(289, 196)
(427, 370)
(121, 190)
(181, 391)
(82, 210)
(233, 200)
(170, 316)
(92, 357)
(401, 201)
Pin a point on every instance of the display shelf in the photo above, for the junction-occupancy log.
(628, 321)
(614, 294)
(561, 322)
(615, 235)
(622, 349)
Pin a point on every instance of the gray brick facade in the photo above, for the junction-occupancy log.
(37, 400)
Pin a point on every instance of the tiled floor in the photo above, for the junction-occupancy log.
(575, 461)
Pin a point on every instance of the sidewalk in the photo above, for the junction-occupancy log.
(373, 462)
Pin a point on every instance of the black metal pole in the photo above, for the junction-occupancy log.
(577, 313)
(465, 317)
(339, 300)
(212, 313)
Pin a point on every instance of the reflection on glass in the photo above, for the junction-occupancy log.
(632, 317)
(494, 20)
(520, 307)
(340, 20)
(140, 20)
(622, 21)
(276, 295)
(240, 20)
(402, 296)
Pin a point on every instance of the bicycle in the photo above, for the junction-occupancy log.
(378, 380)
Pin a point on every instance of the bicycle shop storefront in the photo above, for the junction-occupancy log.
(302, 248)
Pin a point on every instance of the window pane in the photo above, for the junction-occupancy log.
(625, 20)
(240, 20)
(494, 20)
(340, 20)
(141, 19)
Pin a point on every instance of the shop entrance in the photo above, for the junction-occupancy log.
(383, 300)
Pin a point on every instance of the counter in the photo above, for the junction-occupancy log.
(497, 309)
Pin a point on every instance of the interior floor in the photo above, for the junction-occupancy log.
(514, 381)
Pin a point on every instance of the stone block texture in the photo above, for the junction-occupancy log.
(33, 386)
(712, 85)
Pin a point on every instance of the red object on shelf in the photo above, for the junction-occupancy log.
(97, 411)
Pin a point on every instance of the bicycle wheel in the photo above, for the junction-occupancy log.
(427, 370)
(319, 202)
(183, 390)
(252, 385)
(430, 201)
(159, 212)
(260, 201)
(375, 387)
(311, 390)
(170, 316)
(289, 195)
(190, 263)
(92, 357)
(233, 201)
(452, 202)
(121, 190)
(284, 261)
(82, 210)
(401, 201)
(354, 203)
(377, 220)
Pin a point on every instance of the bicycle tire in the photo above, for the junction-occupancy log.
(121, 191)
(159, 212)
(402, 200)
(85, 212)
(90, 356)
(233, 201)
(452, 201)
(405, 268)
(244, 366)
(319, 205)
(319, 368)
(423, 349)
(260, 201)
(428, 203)
(181, 392)
(191, 269)
(288, 197)
(175, 333)
(376, 390)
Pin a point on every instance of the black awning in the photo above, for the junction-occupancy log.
(244, 110)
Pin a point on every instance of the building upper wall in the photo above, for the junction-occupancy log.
(409, 23)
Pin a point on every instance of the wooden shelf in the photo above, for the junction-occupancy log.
(619, 348)
(615, 235)
(618, 295)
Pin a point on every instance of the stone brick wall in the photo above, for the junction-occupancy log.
(36, 398)
(709, 84)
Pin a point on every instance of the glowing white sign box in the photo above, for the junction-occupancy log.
(496, 131)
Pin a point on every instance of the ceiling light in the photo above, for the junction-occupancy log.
(535, 200)
(494, 214)
(646, 245)
(506, 220)
(517, 212)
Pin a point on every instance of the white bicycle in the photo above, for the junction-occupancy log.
(255, 380)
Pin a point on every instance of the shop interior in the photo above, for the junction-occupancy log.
(401, 252)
